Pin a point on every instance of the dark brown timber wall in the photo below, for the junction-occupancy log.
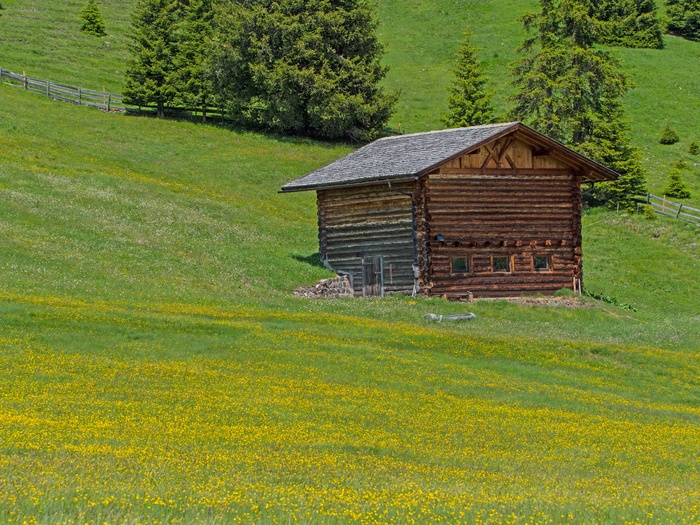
(369, 221)
(518, 215)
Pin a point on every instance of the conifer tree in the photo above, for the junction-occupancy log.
(681, 164)
(676, 186)
(310, 68)
(192, 69)
(92, 21)
(668, 135)
(628, 23)
(562, 81)
(469, 102)
(649, 212)
(610, 144)
(694, 148)
(684, 18)
(150, 72)
(572, 93)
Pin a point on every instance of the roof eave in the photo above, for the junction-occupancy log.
(364, 182)
(590, 165)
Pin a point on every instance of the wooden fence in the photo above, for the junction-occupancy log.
(75, 95)
(682, 212)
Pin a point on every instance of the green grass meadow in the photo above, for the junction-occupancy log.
(42, 38)
(155, 366)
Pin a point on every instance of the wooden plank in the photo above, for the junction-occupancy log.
(502, 211)
(363, 224)
(505, 171)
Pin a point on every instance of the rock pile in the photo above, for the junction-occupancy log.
(327, 289)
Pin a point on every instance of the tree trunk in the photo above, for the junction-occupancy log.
(161, 109)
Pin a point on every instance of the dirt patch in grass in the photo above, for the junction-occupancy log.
(562, 302)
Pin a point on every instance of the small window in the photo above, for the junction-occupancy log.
(541, 263)
(460, 265)
(500, 264)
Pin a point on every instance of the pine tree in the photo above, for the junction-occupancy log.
(310, 68)
(562, 81)
(610, 144)
(192, 69)
(684, 18)
(649, 212)
(469, 102)
(676, 187)
(92, 21)
(150, 73)
(668, 135)
(572, 93)
(628, 23)
(681, 164)
(694, 148)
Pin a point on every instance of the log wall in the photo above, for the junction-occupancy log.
(510, 198)
(369, 221)
(500, 212)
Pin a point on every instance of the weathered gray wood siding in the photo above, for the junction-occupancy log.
(486, 213)
(365, 221)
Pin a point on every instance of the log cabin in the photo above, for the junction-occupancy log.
(484, 211)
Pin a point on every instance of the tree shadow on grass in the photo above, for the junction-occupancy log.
(313, 260)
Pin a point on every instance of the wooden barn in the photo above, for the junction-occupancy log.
(490, 210)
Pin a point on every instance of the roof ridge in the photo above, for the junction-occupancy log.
(500, 124)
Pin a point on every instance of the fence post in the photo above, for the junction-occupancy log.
(0, 73)
(680, 207)
(26, 82)
(648, 198)
(80, 96)
(48, 89)
(109, 102)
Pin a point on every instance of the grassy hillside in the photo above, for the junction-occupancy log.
(156, 368)
(43, 39)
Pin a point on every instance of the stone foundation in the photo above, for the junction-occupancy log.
(327, 289)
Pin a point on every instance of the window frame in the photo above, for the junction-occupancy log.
(509, 260)
(468, 263)
(545, 256)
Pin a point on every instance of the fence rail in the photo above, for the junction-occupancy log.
(65, 93)
(683, 212)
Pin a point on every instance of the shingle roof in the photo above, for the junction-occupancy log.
(404, 156)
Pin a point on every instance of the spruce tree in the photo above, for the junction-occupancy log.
(563, 83)
(628, 23)
(649, 212)
(610, 144)
(684, 18)
(310, 68)
(668, 135)
(572, 93)
(150, 72)
(469, 101)
(91, 18)
(676, 186)
(192, 69)
(681, 164)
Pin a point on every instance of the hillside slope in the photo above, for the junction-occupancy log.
(43, 39)
(156, 368)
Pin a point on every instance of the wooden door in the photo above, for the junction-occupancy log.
(373, 277)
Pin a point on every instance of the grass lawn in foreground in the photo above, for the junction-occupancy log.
(156, 368)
